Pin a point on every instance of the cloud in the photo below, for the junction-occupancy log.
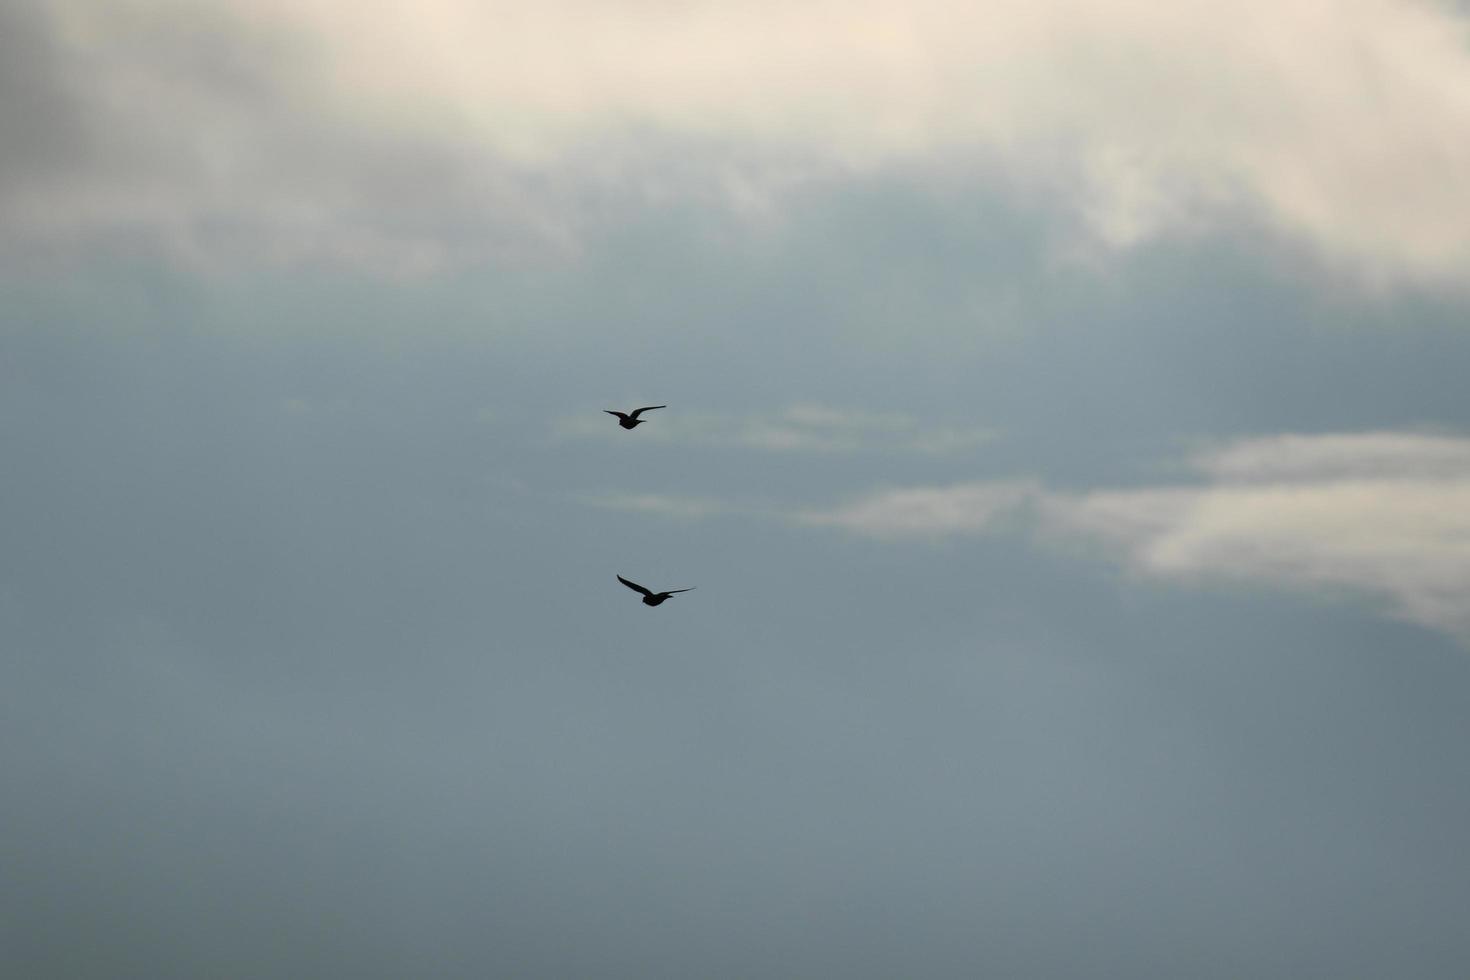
(916, 512)
(1383, 515)
(1380, 514)
(407, 135)
(799, 428)
(930, 512)
(664, 505)
(1368, 455)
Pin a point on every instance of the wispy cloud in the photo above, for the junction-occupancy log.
(1383, 515)
(411, 133)
(1366, 455)
(799, 428)
(929, 512)
(1380, 514)
(664, 505)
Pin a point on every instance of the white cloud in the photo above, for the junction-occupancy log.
(1381, 455)
(922, 512)
(406, 134)
(664, 505)
(1380, 514)
(932, 512)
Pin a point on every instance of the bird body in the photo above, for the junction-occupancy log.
(651, 598)
(630, 420)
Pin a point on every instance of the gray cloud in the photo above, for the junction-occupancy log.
(409, 137)
(41, 116)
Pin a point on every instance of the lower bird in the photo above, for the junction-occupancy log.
(651, 598)
(630, 420)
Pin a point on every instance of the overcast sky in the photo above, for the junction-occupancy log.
(1067, 434)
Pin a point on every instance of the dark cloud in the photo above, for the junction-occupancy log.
(42, 116)
(408, 141)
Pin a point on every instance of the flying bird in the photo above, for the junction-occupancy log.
(631, 419)
(651, 598)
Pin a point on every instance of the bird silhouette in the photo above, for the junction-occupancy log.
(651, 598)
(631, 420)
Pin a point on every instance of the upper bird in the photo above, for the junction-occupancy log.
(631, 419)
(651, 598)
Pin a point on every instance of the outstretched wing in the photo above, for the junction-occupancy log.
(646, 408)
(618, 414)
(634, 586)
(690, 589)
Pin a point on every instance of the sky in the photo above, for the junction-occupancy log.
(1067, 436)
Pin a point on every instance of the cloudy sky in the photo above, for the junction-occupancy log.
(1067, 435)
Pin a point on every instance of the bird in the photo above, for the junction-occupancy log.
(651, 598)
(631, 420)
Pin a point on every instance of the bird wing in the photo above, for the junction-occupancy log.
(618, 414)
(634, 586)
(646, 408)
(672, 591)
